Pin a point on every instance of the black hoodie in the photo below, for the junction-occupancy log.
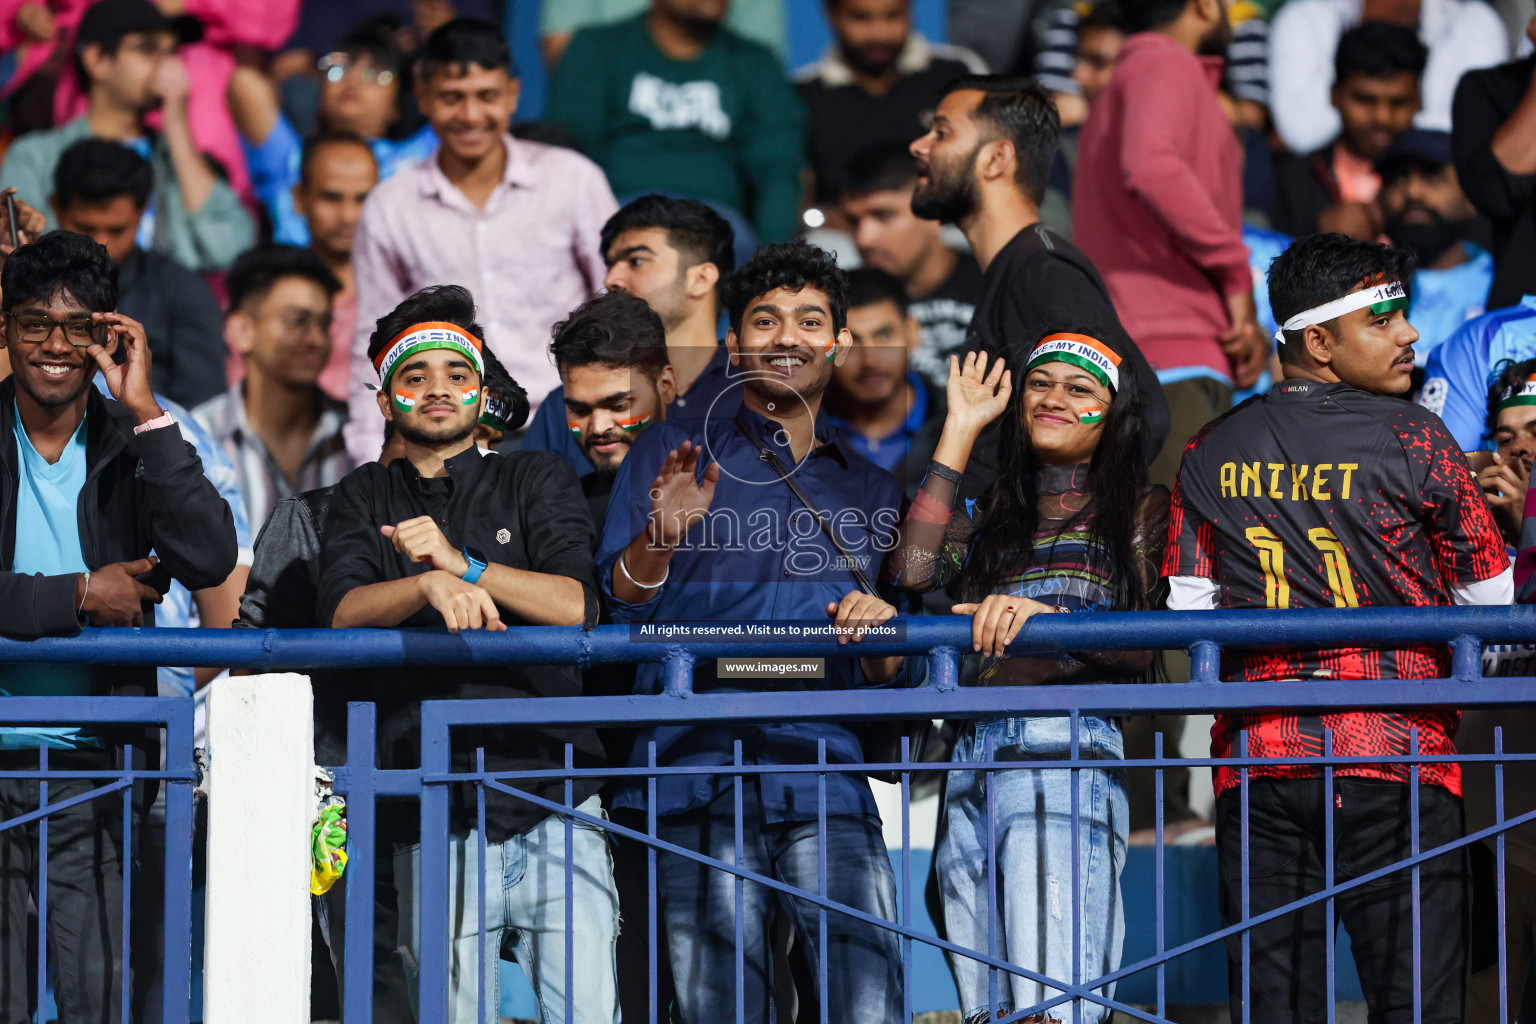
(143, 493)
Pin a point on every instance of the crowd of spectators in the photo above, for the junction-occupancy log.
(1113, 305)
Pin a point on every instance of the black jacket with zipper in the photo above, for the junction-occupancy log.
(143, 493)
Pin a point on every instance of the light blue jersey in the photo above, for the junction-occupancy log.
(1443, 300)
(1461, 371)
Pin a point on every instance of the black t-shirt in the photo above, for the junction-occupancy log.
(1041, 283)
(1323, 496)
(945, 315)
(1484, 101)
(845, 120)
(522, 509)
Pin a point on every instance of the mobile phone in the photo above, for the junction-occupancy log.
(10, 218)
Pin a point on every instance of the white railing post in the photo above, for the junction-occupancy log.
(261, 804)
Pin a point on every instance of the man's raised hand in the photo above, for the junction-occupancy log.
(678, 499)
(129, 381)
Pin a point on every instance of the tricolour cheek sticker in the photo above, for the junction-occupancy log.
(1091, 414)
(831, 350)
(575, 429)
(635, 424)
(404, 401)
(469, 395)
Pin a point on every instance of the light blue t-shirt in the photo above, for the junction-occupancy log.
(1460, 371)
(47, 543)
(1264, 244)
(274, 167)
(1443, 300)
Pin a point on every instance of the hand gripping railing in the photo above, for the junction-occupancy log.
(941, 641)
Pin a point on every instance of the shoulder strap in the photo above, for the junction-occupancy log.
(771, 457)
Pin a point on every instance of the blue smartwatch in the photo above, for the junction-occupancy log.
(476, 567)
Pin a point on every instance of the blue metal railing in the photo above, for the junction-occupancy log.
(940, 641)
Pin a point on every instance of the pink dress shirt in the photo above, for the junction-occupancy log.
(1157, 203)
(530, 257)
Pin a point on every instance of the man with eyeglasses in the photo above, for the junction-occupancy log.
(281, 431)
(89, 486)
(125, 51)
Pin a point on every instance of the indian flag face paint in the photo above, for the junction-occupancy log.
(470, 395)
(1091, 414)
(1081, 351)
(405, 401)
(1525, 395)
(831, 350)
(575, 429)
(635, 424)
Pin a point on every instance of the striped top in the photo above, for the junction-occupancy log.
(1067, 565)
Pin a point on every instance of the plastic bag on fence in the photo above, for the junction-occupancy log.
(328, 844)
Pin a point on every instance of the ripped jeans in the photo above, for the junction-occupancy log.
(1032, 923)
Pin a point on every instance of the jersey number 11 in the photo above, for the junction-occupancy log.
(1277, 589)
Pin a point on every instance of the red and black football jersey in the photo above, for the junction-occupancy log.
(1324, 496)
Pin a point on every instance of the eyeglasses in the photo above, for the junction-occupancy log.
(299, 322)
(336, 66)
(79, 331)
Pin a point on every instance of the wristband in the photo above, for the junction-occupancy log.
(163, 420)
(943, 472)
(476, 567)
(84, 593)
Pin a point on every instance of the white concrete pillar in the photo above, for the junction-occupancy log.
(261, 806)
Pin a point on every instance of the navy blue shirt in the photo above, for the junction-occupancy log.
(547, 432)
(759, 555)
(890, 452)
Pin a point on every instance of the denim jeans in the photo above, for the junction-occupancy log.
(1031, 825)
(84, 895)
(525, 913)
(698, 905)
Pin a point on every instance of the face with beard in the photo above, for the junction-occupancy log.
(946, 161)
(1426, 211)
(1215, 42)
(434, 400)
(871, 33)
(607, 406)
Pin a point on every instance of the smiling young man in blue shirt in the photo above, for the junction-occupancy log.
(703, 525)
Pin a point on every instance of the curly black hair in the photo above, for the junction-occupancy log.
(1320, 268)
(793, 265)
(1508, 376)
(61, 261)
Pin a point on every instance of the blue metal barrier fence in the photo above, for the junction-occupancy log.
(941, 642)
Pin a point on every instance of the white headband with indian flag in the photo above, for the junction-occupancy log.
(1080, 350)
(424, 336)
(1381, 298)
